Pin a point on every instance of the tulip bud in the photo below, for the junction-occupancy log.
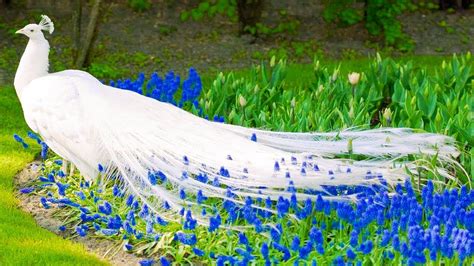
(387, 114)
(349, 146)
(379, 58)
(438, 118)
(232, 115)
(351, 111)
(316, 65)
(334, 75)
(255, 90)
(354, 78)
(320, 88)
(242, 101)
(272, 61)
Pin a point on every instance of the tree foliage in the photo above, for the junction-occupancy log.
(380, 18)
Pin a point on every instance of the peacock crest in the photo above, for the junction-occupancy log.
(46, 24)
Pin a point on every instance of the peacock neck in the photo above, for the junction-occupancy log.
(34, 63)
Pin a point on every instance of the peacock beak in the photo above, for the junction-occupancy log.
(20, 32)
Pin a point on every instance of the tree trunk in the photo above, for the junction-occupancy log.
(76, 31)
(445, 4)
(250, 12)
(466, 4)
(89, 35)
(5, 3)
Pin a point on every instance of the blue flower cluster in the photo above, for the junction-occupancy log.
(417, 229)
(165, 89)
(20, 140)
(169, 89)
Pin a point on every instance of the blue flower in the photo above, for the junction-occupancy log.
(275, 233)
(320, 203)
(82, 230)
(144, 212)
(44, 150)
(253, 137)
(152, 178)
(385, 238)
(131, 217)
(200, 197)
(187, 239)
(161, 176)
(295, 244)
(243, 239)
(284, 250)
(338, 261)
(20, 140)
(350, 254)
(33, 136)
(109, 232)
(276, 167)
(62, 188)
(27, 190)
(316, 236)
(224, 172)
(114, 222)
(305, 250)
(294, 161)
(366, 247)
(190, 223)
(128, 228)
(160, 221)
(354, 238)
(164, 261)
(69, 202)
(182, 194)
(320, 249)
(303, 171)
(116, 191)
(198, 252)
(214, 223)
(283, 206)
(147, 262)
(105, 208)
(264, 250)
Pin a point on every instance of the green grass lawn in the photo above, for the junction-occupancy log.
(303, 74)
(23, 242)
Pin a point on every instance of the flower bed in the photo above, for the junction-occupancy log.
(432, 221)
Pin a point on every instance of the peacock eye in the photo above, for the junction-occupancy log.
(32, 30)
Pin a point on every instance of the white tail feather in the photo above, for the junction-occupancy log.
(148, 135)
(133, 135)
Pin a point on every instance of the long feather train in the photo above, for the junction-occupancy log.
(140, 140)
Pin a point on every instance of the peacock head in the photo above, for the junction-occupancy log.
(34, 31)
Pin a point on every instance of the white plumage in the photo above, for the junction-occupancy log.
(89, 123)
